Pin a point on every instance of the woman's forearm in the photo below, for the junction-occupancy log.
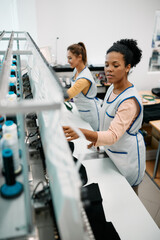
(90, 135)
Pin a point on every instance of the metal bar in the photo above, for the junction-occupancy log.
(22, 52)
(15, 31)
(19, 70)
(25, 158)
(26, 106)
(1, 35)
(5, 72)
(18, 52)
(6, 38)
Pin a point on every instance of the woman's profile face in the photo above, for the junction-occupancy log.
(115, 69)
(73, 60)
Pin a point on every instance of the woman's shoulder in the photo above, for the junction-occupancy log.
(132, 95)
(86, 73)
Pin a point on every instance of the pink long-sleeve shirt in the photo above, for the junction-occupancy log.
(126, 114)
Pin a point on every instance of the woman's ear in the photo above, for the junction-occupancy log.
(80, 57)
(128, 67)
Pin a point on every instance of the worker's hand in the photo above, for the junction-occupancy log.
(69, 133)
(90, 145)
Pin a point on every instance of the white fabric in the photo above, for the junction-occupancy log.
(87, 105)
(128, 153)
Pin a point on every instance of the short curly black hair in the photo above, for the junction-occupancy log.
(129, 49)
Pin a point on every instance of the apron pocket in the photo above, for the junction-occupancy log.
(120, 159)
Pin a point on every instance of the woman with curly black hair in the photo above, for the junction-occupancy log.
(121, 114)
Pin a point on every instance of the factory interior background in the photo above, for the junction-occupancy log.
(54, 25)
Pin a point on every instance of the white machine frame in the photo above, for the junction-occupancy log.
(48, 97)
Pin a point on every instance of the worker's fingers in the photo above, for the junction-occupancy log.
(72, 135)
(90, 145)
(67, 129)
(69, 133)
(71, 138)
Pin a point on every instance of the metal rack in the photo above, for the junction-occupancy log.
(23, 106)
(15, 213)
(47, 101)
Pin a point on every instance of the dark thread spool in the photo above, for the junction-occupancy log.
(7, 155)
(12, 88)
(13, 72)
(11, 188)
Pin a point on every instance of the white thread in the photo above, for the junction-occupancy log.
(14, 67)
(10, 127)
(13, 79)
(11, 97)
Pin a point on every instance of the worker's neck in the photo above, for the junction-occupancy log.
(80, 68)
